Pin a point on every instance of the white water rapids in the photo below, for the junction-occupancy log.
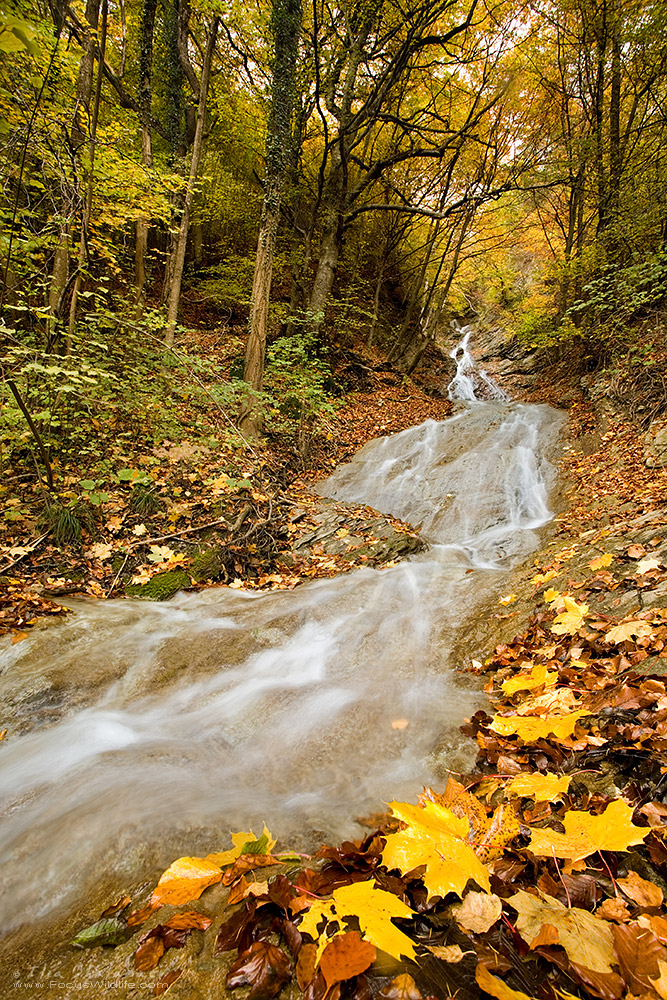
(134, 723)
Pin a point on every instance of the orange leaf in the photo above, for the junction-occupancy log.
(345, 956)
(189, 920)
(184, 881)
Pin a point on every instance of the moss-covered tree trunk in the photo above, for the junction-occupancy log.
(286, 29)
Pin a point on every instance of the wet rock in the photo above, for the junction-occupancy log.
(358, 533)
(655, 444)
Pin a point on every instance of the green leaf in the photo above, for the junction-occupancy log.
(109, 932)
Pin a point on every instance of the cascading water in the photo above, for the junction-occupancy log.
(135, 724)
(470, 382)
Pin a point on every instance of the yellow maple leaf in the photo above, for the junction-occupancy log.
(571, 620)
(434, 838)
(541, 578)
(184, 880)
(551, 596)
(612, 830)
(373, 908)
(530, 679)
(509, 599)
(601, 562)
(529, 730)
(541, 787)
(635, 629)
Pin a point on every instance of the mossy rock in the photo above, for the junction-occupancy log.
(207, 565)
(162, 586)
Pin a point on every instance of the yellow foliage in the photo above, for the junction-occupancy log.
(434, 838)
(571, 620)
(372, 907)
(541, 787)
(585, 834)
(530, 679)
(529, 730)
(601, 562)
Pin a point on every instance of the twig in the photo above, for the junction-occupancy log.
(245, 510)
(30, 549)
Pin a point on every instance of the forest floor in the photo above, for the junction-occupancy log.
(557, 843)
(194, 513)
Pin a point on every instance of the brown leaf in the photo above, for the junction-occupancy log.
(345, 956)
(306, 966)
(121, 904)
(639, 952)
(247, 863)
(640, 891)
(149, 953)
(164, 982)
(403, 987)
(263, 967)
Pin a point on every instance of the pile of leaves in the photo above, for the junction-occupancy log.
(539, 876)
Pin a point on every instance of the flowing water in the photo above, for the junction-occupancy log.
(134, 723)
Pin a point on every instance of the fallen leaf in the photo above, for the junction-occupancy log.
(478, 912)
(149, 953)
(659, 983)
(648, 563)
(372, 907)
(571, 620)
(185, 880)
(109, 931)
(346, 956)
(585, 833)
(613, 909)
(165, 981)
(495, 987)
(434, 837)
(189, 920)
(626, 631)
(541, 787)
(587, 940)
(447, 952)
(400, 724)
(636, 551)
(264, 967)
(639, 953)
(601, 562)
(19, 637)
(640, 891)
(509, 599)
(100, 550)
(403, 987)
(139, 530)
(530, 730)
(529, 680)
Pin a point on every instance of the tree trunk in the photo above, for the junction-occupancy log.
(179, 256)
(141, 243)
(90, 186)
(286, 28)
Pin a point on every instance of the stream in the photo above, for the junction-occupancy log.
(142, 730)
